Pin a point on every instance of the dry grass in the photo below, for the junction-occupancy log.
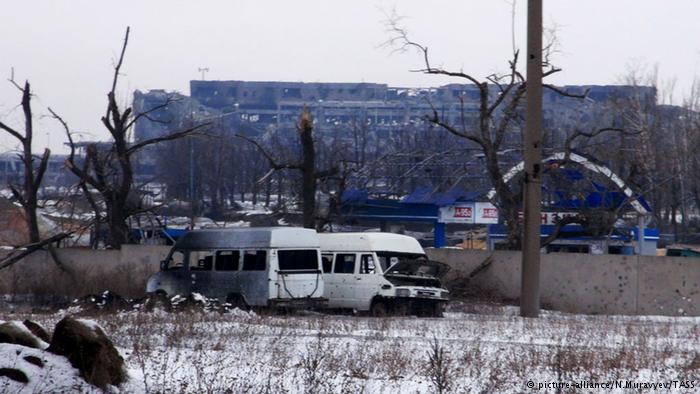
(207, 352)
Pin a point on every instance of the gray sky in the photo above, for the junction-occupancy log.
(66, 48)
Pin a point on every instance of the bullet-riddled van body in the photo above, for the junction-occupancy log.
(265, 267)
(381, 273)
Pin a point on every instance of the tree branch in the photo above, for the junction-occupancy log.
(169, 100)
(17, 195)
(270, 159)
(43, 164)
(12, 132)
(511, 84)
(27, 109)
(401, 42)
(118, 66)
(180, 134)
(327, 173)
(558, 227)
(31, 248)
(565, 93)
(568, 144)
(82, 174)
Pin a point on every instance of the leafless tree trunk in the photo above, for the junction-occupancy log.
(26, 195)
(307, 167)
(501, 97)
(490, 130)
(110, 172)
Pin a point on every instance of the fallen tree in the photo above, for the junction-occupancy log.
(24, 251)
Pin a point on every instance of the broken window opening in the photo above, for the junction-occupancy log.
(367, 264)
(344, 264)
(254, 260)
(201, 260)
(295, 260)
(227, 260)
(327, 260)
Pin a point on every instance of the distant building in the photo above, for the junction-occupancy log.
(255, 106)
(12, 171)
(374, 119)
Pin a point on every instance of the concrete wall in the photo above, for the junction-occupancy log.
(582, 283)
(579, 283)
(86, 271)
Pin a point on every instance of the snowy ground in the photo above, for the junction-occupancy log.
(472, 349)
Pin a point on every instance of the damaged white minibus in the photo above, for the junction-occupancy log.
(262, 267)
(381, 273)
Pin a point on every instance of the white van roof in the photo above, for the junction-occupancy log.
(249, 238)
(376, 242)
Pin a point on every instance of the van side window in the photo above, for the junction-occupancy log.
(254, 260)
(327, 260)
(227, 260)
(344, 264)
(298, 260)
(367, 264)
(201, 260)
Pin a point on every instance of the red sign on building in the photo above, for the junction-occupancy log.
(463, 212)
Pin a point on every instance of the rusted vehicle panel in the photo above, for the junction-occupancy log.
(267, 266)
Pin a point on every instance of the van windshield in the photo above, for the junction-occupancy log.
(387, 259)
(175, 261)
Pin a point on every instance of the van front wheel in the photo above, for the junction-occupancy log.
(429, 309)
(401, 308)
(378, 309)
(236, 301)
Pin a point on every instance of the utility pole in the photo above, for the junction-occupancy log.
(204, 71)
(532, 200)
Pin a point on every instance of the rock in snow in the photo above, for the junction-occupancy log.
(85, 345)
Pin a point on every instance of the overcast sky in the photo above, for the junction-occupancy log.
(66, 48)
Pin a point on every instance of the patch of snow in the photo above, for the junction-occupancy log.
(18, 325)
(176, 299)
(236, 224)
(199, 298)
(253, 209)
(56, 375)
(91, 324)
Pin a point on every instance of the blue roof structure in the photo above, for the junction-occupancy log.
(597, 196)
(577, 232)
(426, 195)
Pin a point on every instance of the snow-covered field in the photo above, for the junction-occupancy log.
(472, 349)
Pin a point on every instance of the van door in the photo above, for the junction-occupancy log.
(367, 281)
(253, 278)
(328, 278)
(299, 274)
(342, 281)
(226, 271)
(174, 277)
(201, 264)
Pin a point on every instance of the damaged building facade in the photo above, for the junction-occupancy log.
(367, 121)
(260, 105)
(377, 116)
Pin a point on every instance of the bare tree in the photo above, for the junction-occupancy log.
(500, 98)
(110, 171)
(660, 158)
(26, 195)
(490, 130)
(306, 165)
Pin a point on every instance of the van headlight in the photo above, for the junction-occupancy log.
(152, 284)
(403, 292)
